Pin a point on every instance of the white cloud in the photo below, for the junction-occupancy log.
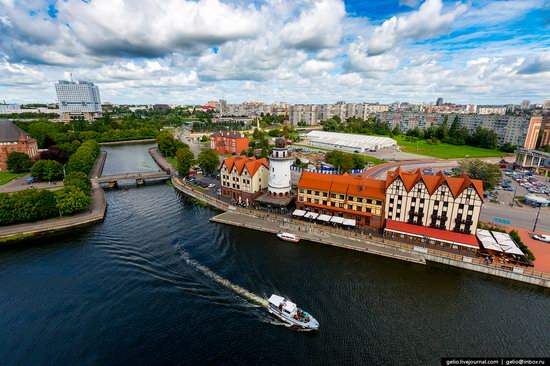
(315, 67)
(317, 27)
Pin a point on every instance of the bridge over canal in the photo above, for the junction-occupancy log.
(139, 178)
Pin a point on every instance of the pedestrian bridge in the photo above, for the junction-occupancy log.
(139, 178)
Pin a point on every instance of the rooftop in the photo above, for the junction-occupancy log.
(241, 162)
(446, 236)
(347, 184)
(9, 132)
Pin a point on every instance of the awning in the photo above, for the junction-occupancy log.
(298, 213)
(349, 222)
(311, 215)
(337, 220)
(487, 240)
(507, 243)
(445, 236)
(325, 218)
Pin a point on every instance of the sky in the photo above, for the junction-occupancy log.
(298, 51)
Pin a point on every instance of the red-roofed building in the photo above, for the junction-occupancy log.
(351, 197)
(435, 201)
(243, 179)
(13, 138)
(233, 143)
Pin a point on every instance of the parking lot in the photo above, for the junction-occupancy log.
(519, 184)
(210, 182)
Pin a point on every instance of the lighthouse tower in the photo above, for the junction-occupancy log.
(280, 161)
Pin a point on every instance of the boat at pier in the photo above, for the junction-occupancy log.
(288, 312)
(288, 237)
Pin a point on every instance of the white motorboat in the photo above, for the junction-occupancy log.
(288, 237)
(288, 312)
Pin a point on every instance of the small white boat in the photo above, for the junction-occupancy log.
(288, 237)
(288, 312)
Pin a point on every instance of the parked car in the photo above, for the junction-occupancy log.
(541, 237)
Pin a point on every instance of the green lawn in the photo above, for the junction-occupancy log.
(6, 177)
(446, 151)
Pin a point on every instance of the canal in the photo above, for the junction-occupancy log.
(138, 289)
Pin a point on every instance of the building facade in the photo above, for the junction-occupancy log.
(243, 179)
(535, 125)
(545, 131)
(233, 143)
(439, 202)
(78, 100)
(350, 197)
(12, 138)
(539, 161)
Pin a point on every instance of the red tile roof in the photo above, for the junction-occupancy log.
(438, 234)
(251, 164)
(456, 184)
(345, 184)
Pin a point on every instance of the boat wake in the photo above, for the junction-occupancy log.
(226, 283)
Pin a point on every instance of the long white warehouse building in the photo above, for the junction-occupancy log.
(349, 142)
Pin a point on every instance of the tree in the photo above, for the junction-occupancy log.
(47, 170)
(18, 162)
(55, 153)
(167, 144)
(341, 160)
(71, 200)
(489, 174)
(208, 160)
(78, 180)
(204, 138)
(184, 161)
(396, 131)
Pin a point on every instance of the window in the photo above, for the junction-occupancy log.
(369, 209)
(341, 205)
(445, 204)
(461, 206)
(422, 200)
(350, 207)
(414, 199)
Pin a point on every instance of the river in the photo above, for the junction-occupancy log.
(156, 283)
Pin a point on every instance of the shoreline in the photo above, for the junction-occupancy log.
(272, 223)
(94, 214)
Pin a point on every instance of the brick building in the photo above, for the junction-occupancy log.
(233, 143)
(12, 138)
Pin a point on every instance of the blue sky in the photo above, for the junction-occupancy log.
(303, 51)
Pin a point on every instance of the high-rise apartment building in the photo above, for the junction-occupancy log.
(78, 100)
(439, 102)
(533, 132)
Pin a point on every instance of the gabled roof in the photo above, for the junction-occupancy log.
(456, 185)
(9, 132)
(241, 162)
(345, 184)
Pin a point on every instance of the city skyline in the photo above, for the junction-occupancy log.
(298, 52)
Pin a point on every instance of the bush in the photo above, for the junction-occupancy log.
(78, 180)
(18, 162)
(71, 200)
(47, 170)
(84, 157)
(524, 248)
(25, 206)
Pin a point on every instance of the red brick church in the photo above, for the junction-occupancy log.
(12, 138)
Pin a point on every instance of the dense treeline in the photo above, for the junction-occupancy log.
(32, 204)
(30, 115)
(84, 157)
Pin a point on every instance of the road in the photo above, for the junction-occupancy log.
(523, 217)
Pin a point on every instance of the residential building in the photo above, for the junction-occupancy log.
(351, 197)
(546, 105)
(243, 179)
(435, 201)
(13, 138)
(78, 100)
(233, 143)
(535, 124)
(491, 109)
(545, 131)
(439, 102)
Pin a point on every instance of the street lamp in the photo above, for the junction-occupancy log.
(537, 218)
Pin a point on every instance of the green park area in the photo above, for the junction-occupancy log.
(6, 177)
(443, 150)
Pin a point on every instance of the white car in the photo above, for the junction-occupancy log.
(541, 237)
(211, 185)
